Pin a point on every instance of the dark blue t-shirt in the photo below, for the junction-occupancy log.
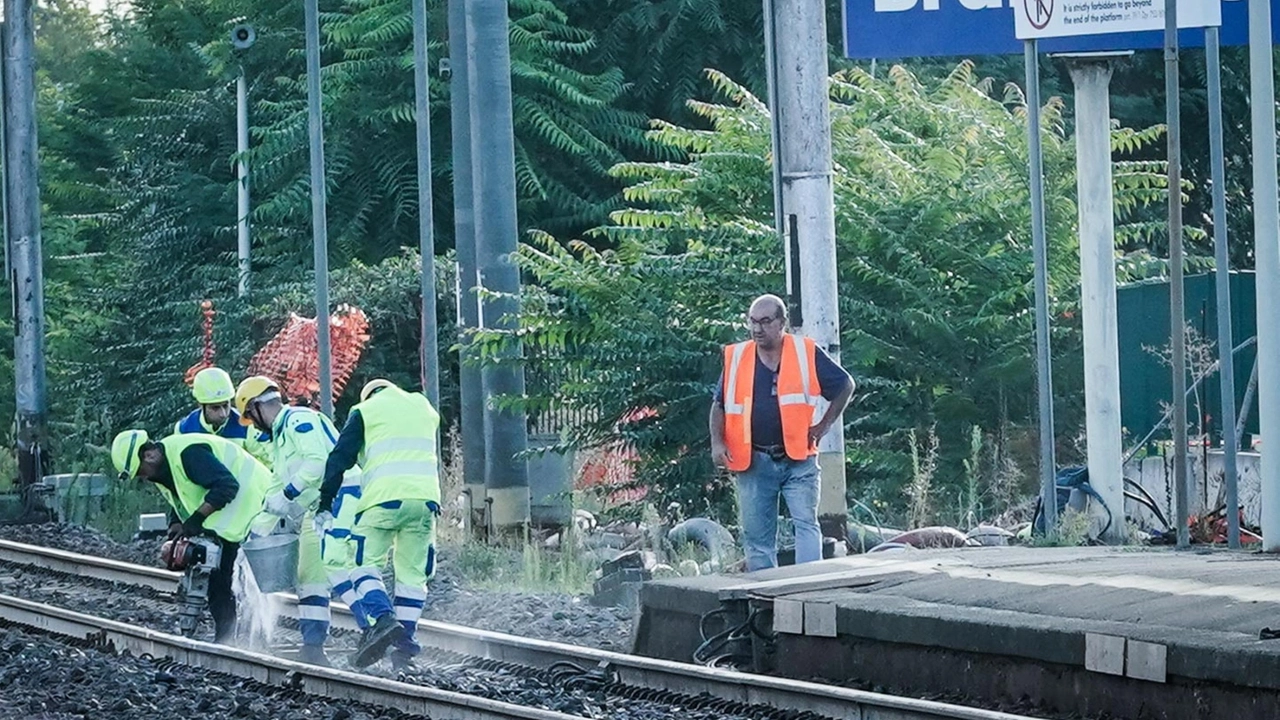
(766, 417)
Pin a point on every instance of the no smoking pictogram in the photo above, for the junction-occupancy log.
(1038, 12)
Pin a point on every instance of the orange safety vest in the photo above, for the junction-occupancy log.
(798, 393)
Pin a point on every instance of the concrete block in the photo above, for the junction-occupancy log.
(788, 616)
(820, 619)
(1104, 653)
(1147, 661)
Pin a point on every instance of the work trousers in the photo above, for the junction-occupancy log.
(409, 527)
(338, 553)
(313, 586)
(222, 601)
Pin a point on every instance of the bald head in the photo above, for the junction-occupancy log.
(767, 320)
(768, 305)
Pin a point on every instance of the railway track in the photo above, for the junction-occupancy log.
(644, 677)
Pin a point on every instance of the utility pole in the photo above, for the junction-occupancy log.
(1177, 315)
(797, 38)
(242, 180)
(471, 387)
(1222, 259)
(22, 193)
(426, 219)
(494, 182)
(1092, 78)
(1266, 229)
(319, 222)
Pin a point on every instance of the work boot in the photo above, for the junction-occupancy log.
(375, 643)
(314, 655)
(401, 660)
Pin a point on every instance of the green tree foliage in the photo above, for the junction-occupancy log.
(665, 46)
(139, 173)
(934, 269)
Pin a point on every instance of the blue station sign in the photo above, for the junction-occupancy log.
(892, 29)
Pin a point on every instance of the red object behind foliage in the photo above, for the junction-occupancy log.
(613, 471)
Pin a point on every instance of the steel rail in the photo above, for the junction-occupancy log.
(631, 670)
(284, 674)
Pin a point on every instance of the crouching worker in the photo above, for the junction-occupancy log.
(301, 439)
(215, 488)
(392, 434)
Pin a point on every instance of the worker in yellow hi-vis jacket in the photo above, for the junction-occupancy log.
(301, 439)
(392, 434)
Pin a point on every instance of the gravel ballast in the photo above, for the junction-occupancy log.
(558, 617)
(44, 677)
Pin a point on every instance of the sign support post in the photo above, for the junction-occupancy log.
(1040, 250)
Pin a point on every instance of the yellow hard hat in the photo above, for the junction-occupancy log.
(212, 386)
(252, 388)
(373, 386)
(124, 452)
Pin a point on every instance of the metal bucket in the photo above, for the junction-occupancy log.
(274, 560)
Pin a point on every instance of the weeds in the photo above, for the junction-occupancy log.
(922, 469)
(124, 502)
(972, 510)
(526, 567)
(1072, 530)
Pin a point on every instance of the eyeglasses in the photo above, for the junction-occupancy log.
(762, 323)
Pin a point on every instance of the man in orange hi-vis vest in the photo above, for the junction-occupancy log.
(763, 429)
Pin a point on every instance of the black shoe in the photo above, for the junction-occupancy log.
(314, 655)
(401, 661)
(374, 644)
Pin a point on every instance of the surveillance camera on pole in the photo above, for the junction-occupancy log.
(243, 37)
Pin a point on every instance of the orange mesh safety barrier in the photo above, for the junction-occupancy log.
(291, 358)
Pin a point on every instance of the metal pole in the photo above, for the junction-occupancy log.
(1246, 402)
(471, 389)
(242, 179)
(426, 219)
(775, 143)
(4, 189)
(493, 151)
(23, 195)
(319, 224)
(804, 154)
(1222, 258)
(1266, 229)
(1177, 314)
(1040, 248)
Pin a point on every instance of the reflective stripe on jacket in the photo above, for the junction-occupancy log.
(399, 453)
(302, 439)
(798, 393)
(232, 521)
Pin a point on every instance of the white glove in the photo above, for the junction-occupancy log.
(322, 523)
(281, 506)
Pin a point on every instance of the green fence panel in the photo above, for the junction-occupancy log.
(1146, 382)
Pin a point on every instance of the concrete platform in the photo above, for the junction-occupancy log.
(1137, 633)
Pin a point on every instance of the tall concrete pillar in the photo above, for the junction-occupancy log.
(22, 193)
(494, 197)
(1266, 234)
(798, 30)
(1092, 78)
(470, 384)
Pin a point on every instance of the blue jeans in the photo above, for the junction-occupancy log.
(758, 490)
